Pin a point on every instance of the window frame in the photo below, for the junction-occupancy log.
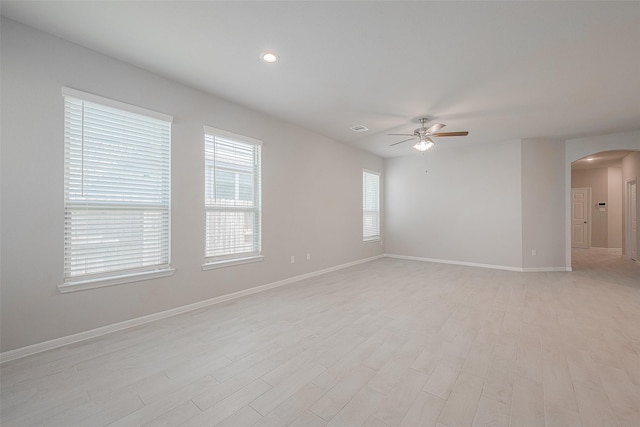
(235, 258)
(72, 204)
(371, 237)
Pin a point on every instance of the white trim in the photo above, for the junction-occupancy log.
(94, 333)
(231, 262)
(628, 243)
(371, 172)
(544, 269)
(444, 261)
(210, 130)
(89, 97)
(101, 282)
(474, 264)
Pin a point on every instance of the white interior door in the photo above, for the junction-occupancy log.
(580, 203)
(633, 215)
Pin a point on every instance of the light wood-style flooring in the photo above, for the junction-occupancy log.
(387, 343)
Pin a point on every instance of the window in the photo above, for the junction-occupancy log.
(232, 198)
(370, 205)
(117, 183)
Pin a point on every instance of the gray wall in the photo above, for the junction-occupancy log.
(311, 192)
(542, 204)
(466, 208)
(491, 204)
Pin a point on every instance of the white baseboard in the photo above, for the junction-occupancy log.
(94, 333)
(446, 261)
(543, 269)
(474, 264)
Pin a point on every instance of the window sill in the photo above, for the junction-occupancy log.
(371, 239)
(82, 285)
(229, 263)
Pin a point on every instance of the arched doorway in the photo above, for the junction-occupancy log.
(602, 195)
(581, 148)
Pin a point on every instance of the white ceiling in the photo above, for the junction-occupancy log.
(500, 70)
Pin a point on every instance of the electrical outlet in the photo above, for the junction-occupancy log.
(534, 252)
(308, 257)
(293, 259)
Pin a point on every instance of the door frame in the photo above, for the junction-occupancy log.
(588, 208)
(627, 224)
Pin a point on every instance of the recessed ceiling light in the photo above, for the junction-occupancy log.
(269, 57)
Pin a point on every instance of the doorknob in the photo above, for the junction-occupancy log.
(585, 222)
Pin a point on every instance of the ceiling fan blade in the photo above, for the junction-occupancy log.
(450, 134)
(396, 143)
(400, 134)
(435, 128)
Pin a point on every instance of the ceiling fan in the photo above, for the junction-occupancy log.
(424, 134)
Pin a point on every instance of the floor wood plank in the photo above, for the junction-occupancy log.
(387, 343)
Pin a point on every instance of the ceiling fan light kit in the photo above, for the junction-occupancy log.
(424, 134)
(424, 144)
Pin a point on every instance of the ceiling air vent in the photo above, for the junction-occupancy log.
(359, 128)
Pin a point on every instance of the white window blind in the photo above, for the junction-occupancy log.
(232, 196)
(117, 187)
(370, 205)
